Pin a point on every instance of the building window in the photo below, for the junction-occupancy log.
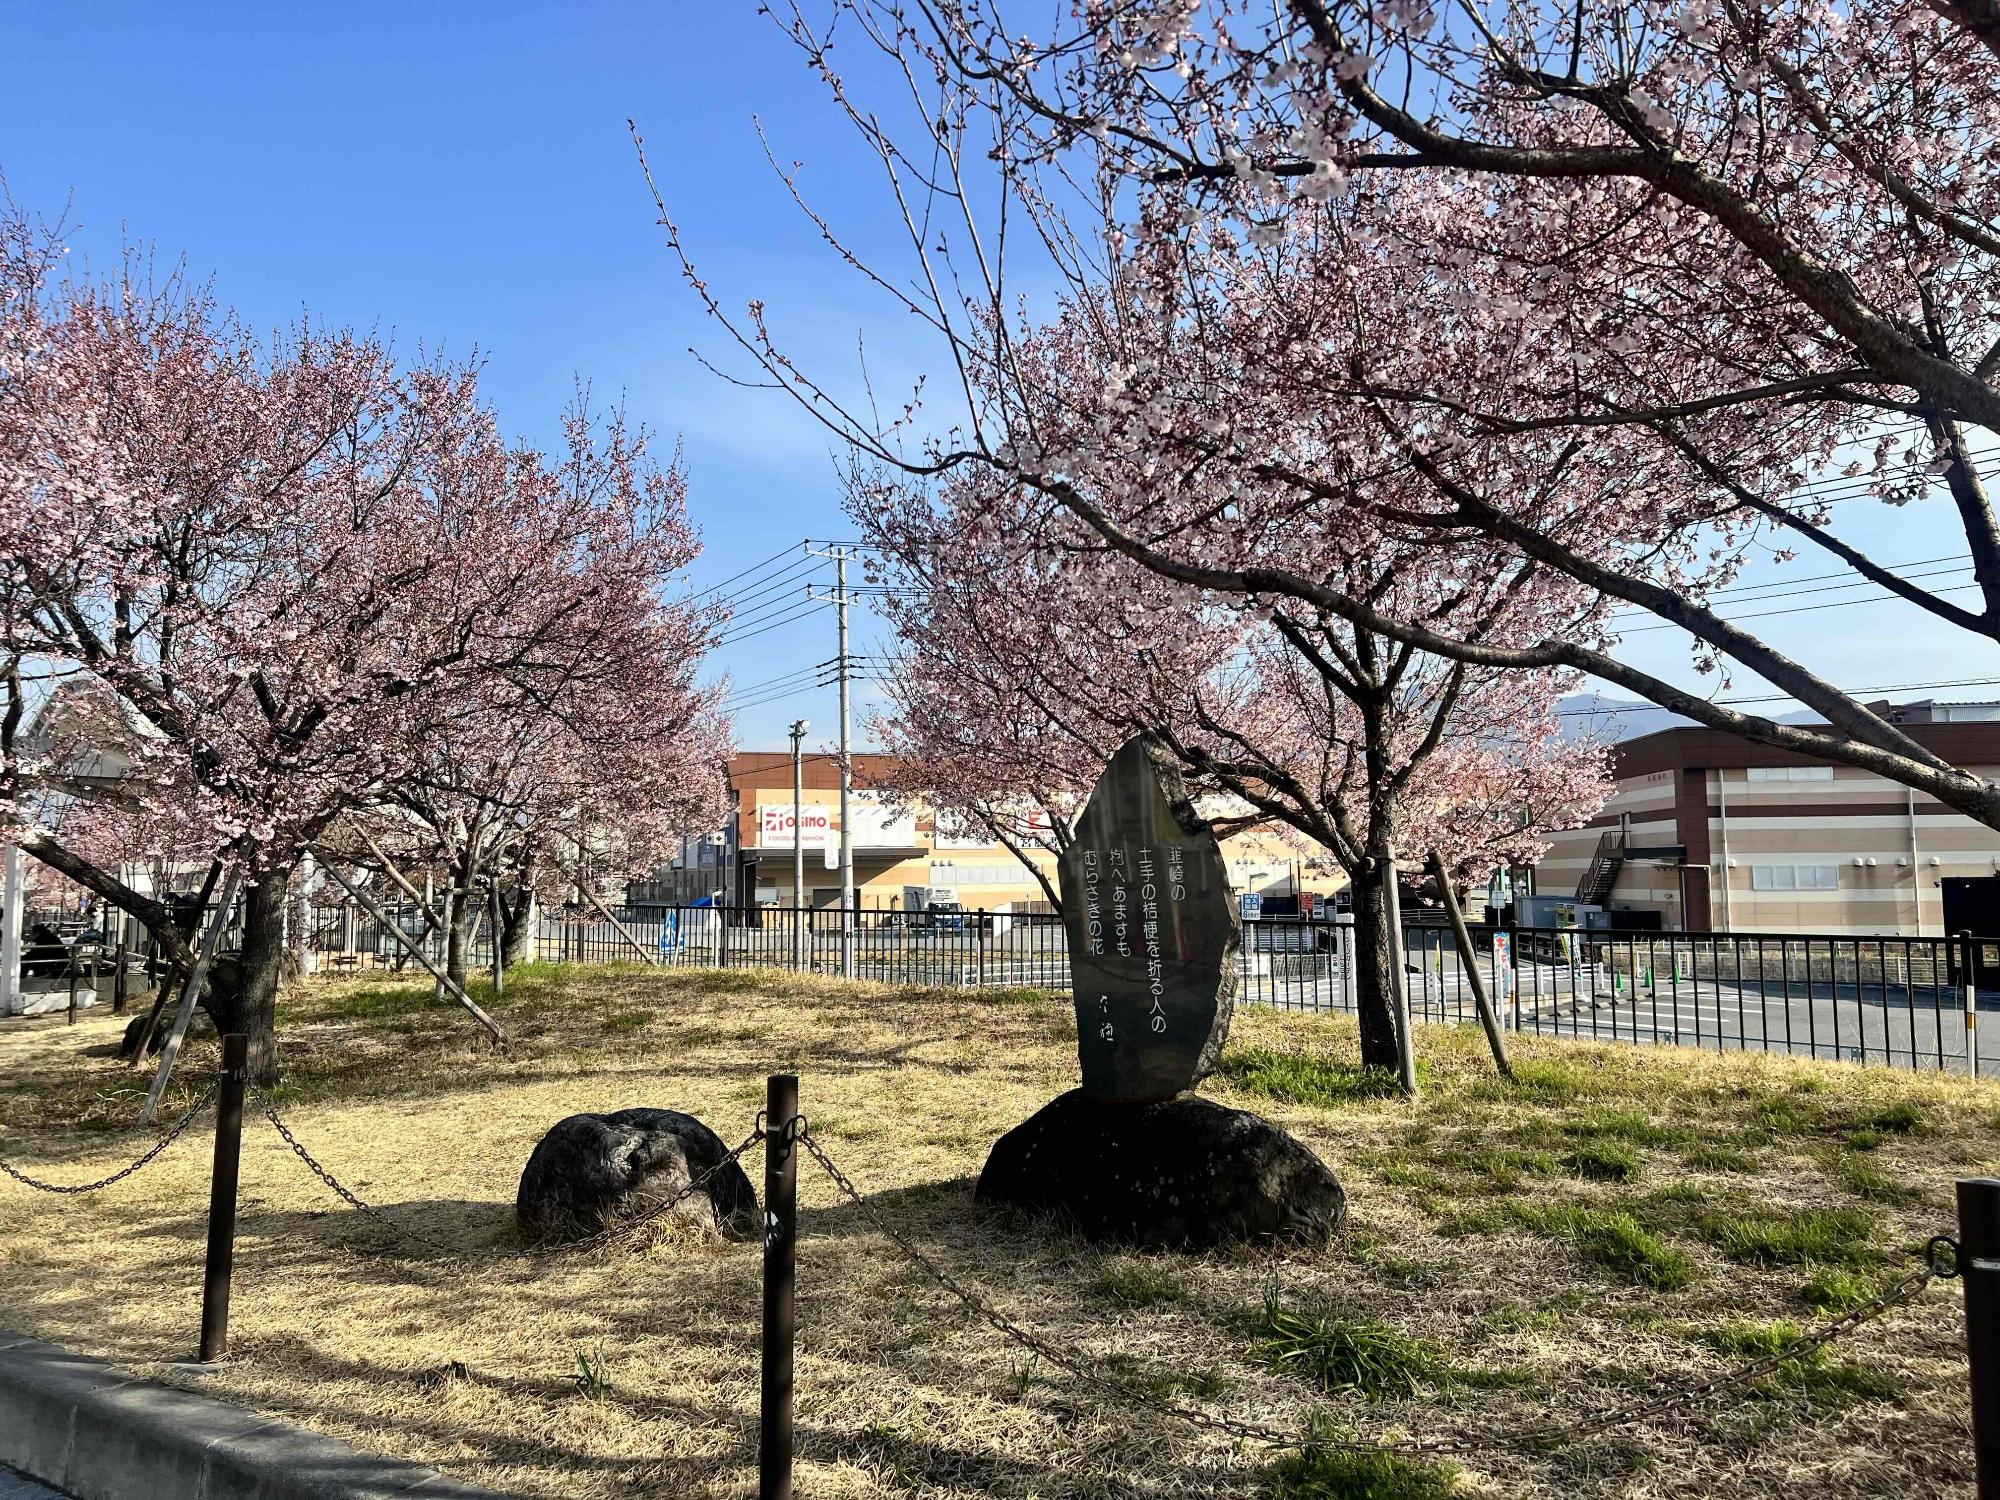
(1795, 877)
(1791, 773)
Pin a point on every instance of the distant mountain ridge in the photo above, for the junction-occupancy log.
(1614, 719)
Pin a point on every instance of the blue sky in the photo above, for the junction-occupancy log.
(461, 176)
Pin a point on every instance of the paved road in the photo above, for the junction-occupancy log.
(1902, 1026)
(19, 1487)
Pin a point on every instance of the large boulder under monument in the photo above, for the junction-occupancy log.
(1182, 1173)
(594, 1172)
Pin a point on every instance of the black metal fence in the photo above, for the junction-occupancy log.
(1909, 1002)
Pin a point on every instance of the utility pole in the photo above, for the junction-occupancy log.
(845, 666)
(799, 728)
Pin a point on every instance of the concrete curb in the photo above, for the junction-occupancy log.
(101, 1433)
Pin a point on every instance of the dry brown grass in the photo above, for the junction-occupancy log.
(899, 1391)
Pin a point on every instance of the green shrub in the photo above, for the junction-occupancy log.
(1615, 1241)
(1343, 1354)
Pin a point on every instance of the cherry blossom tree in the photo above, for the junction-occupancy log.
(296, 570)
(1032, 650)
(1616, 291)
(596, 746)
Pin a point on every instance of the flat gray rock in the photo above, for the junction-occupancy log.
(593, 1172)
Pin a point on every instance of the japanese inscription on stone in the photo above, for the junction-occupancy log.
(1153, 932)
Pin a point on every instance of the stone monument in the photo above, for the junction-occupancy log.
(1154, 945)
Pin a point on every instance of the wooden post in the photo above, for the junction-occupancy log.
(1979, 1265)
(1470, 968)
(781, 1181)
(621, 929)
(415, 951)
(221, 1264)
(499, 968)
(190, 993)
(121, 981)
(1406, 1046)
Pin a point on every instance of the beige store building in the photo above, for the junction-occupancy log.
(1708, 832)
(895, 849)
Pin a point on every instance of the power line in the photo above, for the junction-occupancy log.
(1803, 609)
(810, 608)
(765, 587)
(753, 568)
(1788, 592)
(766, 610)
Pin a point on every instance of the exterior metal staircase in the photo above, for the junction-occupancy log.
(1602, 874)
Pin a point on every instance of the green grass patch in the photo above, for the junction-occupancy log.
(1828, 1236)
(1207, 1384)
(1899, 1118)
(1505, 1168)
(1398, 1170)
(1138, 1283)
(1634, 1127)
(1603, 1161)
(1307, 1077)
(1832, 1290)
(1867, 1178)
(1787, 1114)
(1332, 1474)
(1709, 1157)
(1810, 1372)
(1614, 1240)
(1336, 1354)
(1542, 1080)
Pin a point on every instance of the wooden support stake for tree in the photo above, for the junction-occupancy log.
(191, 992)
(414, 950)
(605, 912)
(1406, 1045)
(494, 905)
(1470, 969)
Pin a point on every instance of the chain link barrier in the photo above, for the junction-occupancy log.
(174, 1133)
(1939, 1262)
(543, 1252)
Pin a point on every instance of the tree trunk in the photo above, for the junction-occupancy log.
(242, 992)
(462, 922)
(518, 918)
(1375, 974)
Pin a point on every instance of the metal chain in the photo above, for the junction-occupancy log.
(174, 1133)
(569, 1247)
(1076, 1365)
